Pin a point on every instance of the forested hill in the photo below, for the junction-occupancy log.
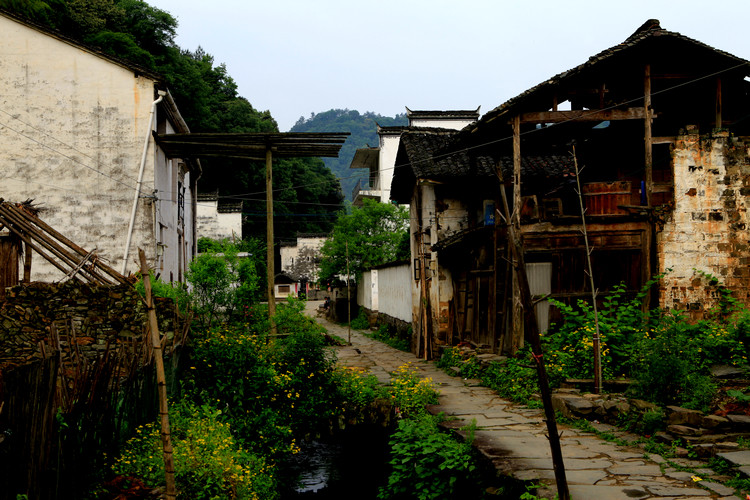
(362, 126)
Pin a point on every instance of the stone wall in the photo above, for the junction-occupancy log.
(81, 321)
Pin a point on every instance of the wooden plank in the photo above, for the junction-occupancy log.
(649, 154)
(583, 115)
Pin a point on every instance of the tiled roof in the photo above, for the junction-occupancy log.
(650, 31)
(426, 153)
(470, 113)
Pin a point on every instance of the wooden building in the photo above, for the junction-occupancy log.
(659, 126)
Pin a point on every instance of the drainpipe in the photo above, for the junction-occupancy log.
(137, 193)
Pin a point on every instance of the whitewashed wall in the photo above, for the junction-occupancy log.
(394, 291)
(72, 139)
(364, 291)
(215, 225)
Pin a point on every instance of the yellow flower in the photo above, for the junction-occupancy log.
(696, 478)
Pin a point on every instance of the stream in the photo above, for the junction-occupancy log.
(351, 464)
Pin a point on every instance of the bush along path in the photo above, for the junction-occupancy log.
(513, 437)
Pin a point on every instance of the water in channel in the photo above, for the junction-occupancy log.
(350, 464)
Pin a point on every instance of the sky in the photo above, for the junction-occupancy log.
(297, 57)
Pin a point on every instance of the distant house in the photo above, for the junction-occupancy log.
(660, 124)
(77, 138)
(218, 219)
(300, 260)
(380, 160)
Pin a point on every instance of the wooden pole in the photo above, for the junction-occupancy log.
(596, 337)
(514, 242)
(348, 296)
(27, 256)
(718, 103)
(269, 241)
(517, 336)
(161, 380)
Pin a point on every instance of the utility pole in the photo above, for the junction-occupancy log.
(348, 295)
(269, 241)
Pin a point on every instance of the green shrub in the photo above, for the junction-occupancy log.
(410, 392)
(429, 464)
(392, 337)
(360, 322)
(514, 378)
(669, 369)
(209, 463)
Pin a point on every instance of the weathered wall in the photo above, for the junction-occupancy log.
(707, 230)
(215, 225)
(302, 259)
(73, 140)
(86, 316)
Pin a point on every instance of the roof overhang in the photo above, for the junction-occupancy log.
(366, 158)
(252, 146)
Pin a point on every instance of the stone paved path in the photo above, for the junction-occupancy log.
(513, 436)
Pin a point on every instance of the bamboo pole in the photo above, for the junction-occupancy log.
(594, 291)
(161, 380)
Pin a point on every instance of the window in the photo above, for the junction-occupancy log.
(283, 288)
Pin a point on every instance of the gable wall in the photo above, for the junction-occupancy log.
(67, 114)
(707, 230)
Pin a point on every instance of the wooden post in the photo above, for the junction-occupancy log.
(514, 242)
(649, 155)
(161, 380)
(27, 263)
(718, 103)
(594, 292)
(269, 241)
(517, 336)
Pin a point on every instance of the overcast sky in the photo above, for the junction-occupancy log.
(295, 57)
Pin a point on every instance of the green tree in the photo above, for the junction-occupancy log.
(373, 234)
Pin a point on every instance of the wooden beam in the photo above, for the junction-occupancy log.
(649, 156)
(583, 115)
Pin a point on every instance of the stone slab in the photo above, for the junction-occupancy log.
(736, 457)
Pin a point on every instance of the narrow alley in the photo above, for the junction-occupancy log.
(513, 436)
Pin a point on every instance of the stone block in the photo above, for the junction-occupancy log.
(683, 416)
(684, 430)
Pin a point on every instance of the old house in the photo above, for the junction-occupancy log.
(380, 160)
(77, 138)
(659, 126)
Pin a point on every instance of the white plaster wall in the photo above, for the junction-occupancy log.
(456, 124)
(217, 226)
(364, 291)
(394, 291)
(387, 161)
(707, 229)
(71, 138)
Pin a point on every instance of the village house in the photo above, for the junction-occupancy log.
(659, 126)
(218, 218)
(300, 262)
(380, 160)
(77, 138)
